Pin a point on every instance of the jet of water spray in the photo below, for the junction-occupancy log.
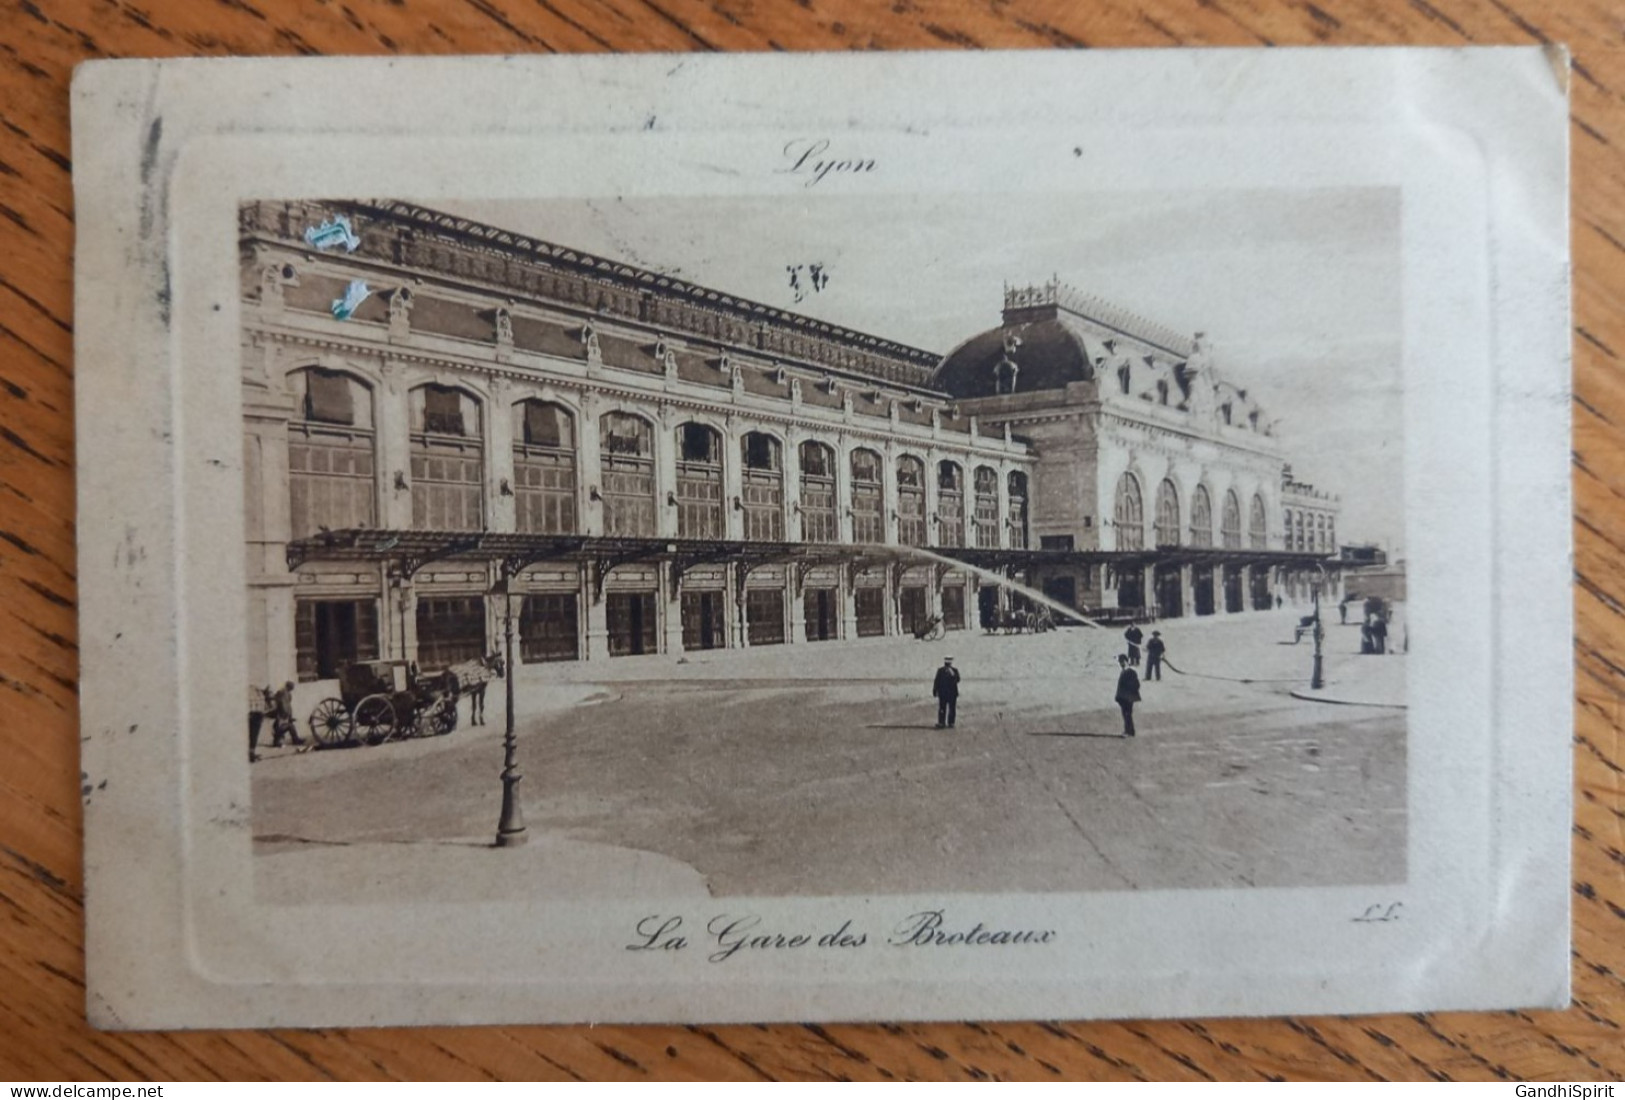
(1094, 651)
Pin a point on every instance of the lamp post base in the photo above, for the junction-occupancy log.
(511, 826)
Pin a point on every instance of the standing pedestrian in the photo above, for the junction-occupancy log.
(1128, 693)
(1379, 634)
(946, 689)
(1134, 636)
(1153, 656)
(259, 704)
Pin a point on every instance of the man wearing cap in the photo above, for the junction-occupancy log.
(1153, 656)
(1128, 693)
(946, 689)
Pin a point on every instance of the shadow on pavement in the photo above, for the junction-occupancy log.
(1070, 733)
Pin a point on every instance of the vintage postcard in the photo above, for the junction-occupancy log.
(824, 537)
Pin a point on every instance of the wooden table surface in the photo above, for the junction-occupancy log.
(43, 1034)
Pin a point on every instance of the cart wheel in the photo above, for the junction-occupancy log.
(374, 719)
(425, 719)
(445, 718)
(330, 723)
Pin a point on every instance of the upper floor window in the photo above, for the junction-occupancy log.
(1201, 517)
(1018, 509)
(1231, 524)
(626, 443)
(820, 522)
(332, 482)
(910, 501)
(868, 509)
(544, 468)
(950, 504)
(1167, 514)
(699, 483)
(762, 483)
(448, 470)
(1128, 514)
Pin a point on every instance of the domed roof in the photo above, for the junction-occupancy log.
(1053, 335)
(1047, 355)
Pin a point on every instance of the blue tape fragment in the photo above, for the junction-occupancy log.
(336, 232)
(354, 295)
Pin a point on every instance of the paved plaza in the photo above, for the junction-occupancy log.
(816, 769)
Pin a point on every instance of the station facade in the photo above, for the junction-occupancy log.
(439, 412)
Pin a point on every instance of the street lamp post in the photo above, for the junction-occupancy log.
(1317, 679)
(511, 825)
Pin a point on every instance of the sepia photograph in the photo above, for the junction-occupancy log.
(693, 550)
(824, 544)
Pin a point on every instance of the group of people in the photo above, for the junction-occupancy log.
(945, 688)
(276, 704)
(1128, 675)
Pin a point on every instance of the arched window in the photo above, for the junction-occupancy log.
(1124, 376)
(1128, 514)
(950, 504)
(699, 483)
(332, 480)
(1201, 517)
(626, 448)
(819, 520)
(762, 481)
(868, 498)
(1320, 534)
(1162, 392)
(1167, 514)
(986, 507)
(1301, 543)
(1018, 510)
(1258, 526)
(910, 501)
(448, 470)
(1004, 376)
(544, 468)
(1230, 529)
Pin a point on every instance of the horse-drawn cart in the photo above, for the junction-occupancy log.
(380, 700)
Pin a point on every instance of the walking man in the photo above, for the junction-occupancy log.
(1128, 693)
(1134, 636)
(282, 723)
(946, 689)
(1153, 656)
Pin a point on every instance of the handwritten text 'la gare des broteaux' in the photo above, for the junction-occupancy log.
(727, 936)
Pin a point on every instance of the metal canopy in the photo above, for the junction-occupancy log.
(410, 551)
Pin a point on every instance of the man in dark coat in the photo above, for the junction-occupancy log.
(283, 726)
(1133, 635)
(1153, 656)
(1128, 693)
(946, 689)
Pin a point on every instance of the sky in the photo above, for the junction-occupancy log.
(1298, 291)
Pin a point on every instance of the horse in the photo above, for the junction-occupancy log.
(471, 678)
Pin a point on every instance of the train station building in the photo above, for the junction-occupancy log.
(443, 419)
